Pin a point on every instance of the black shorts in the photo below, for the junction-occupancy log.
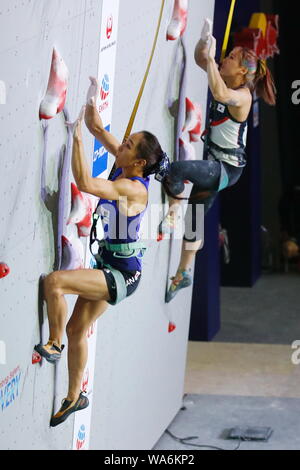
(132, 280)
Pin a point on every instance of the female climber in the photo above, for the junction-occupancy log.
(232, 85)
(122, 205)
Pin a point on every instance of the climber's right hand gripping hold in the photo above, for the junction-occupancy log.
(201, 49)
(206, 30)
(93, 92)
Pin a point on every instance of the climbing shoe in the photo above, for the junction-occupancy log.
(178, 284)
(66, 410)
(52, 354)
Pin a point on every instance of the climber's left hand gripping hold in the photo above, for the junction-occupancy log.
(93, 92)
(75, 127)
(212, 47)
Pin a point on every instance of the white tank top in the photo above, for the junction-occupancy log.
(227, 133)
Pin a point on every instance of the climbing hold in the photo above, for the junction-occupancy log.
(81, 211)
(186, 150)
(195, 134)
(193, 120)
(166, 226)
(172, 327)
(72, 254)
(178, 23)
(55, 98)
(191, 116)
(4, 270)
(36, 357)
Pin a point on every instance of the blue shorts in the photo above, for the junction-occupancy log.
(131, 278)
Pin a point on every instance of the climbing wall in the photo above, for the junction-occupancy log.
(140, 367)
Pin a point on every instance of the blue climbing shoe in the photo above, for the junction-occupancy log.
(178, 284)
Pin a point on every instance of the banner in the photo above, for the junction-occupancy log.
(106, 76)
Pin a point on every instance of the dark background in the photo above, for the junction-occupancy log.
(273, 167)
(279, 158)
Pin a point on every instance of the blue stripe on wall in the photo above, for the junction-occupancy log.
(100, 157)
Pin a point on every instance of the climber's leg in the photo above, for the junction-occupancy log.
(89, 284)
(85, 313)
(193, 240)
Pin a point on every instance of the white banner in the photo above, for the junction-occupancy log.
(106, 75)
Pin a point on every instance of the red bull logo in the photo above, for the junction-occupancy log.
(272, 34)
(261, 35)
(104, 92)
(109, 27)
(80, 438)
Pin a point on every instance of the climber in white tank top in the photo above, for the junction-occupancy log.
(226, 133)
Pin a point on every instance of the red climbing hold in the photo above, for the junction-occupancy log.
(4, 270)
(55, 98)
(81, 212)
(172, 327)
(36, 357)
(186, 150)
(178, 23)
(72, 254)
(193, 120)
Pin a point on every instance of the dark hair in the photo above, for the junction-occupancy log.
(259, 77)
(150, 150)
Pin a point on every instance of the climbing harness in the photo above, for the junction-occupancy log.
(120, 250)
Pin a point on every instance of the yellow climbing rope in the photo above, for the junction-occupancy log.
(228, 28)
(138, 100)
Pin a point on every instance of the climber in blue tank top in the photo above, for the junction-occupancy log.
(116, 275)
(120, 228)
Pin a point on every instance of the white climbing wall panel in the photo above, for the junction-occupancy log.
(140, 367)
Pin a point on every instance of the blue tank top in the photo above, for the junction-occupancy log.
(119, 228)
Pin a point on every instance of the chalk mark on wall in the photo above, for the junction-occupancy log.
(2, 353)
(2, 92)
